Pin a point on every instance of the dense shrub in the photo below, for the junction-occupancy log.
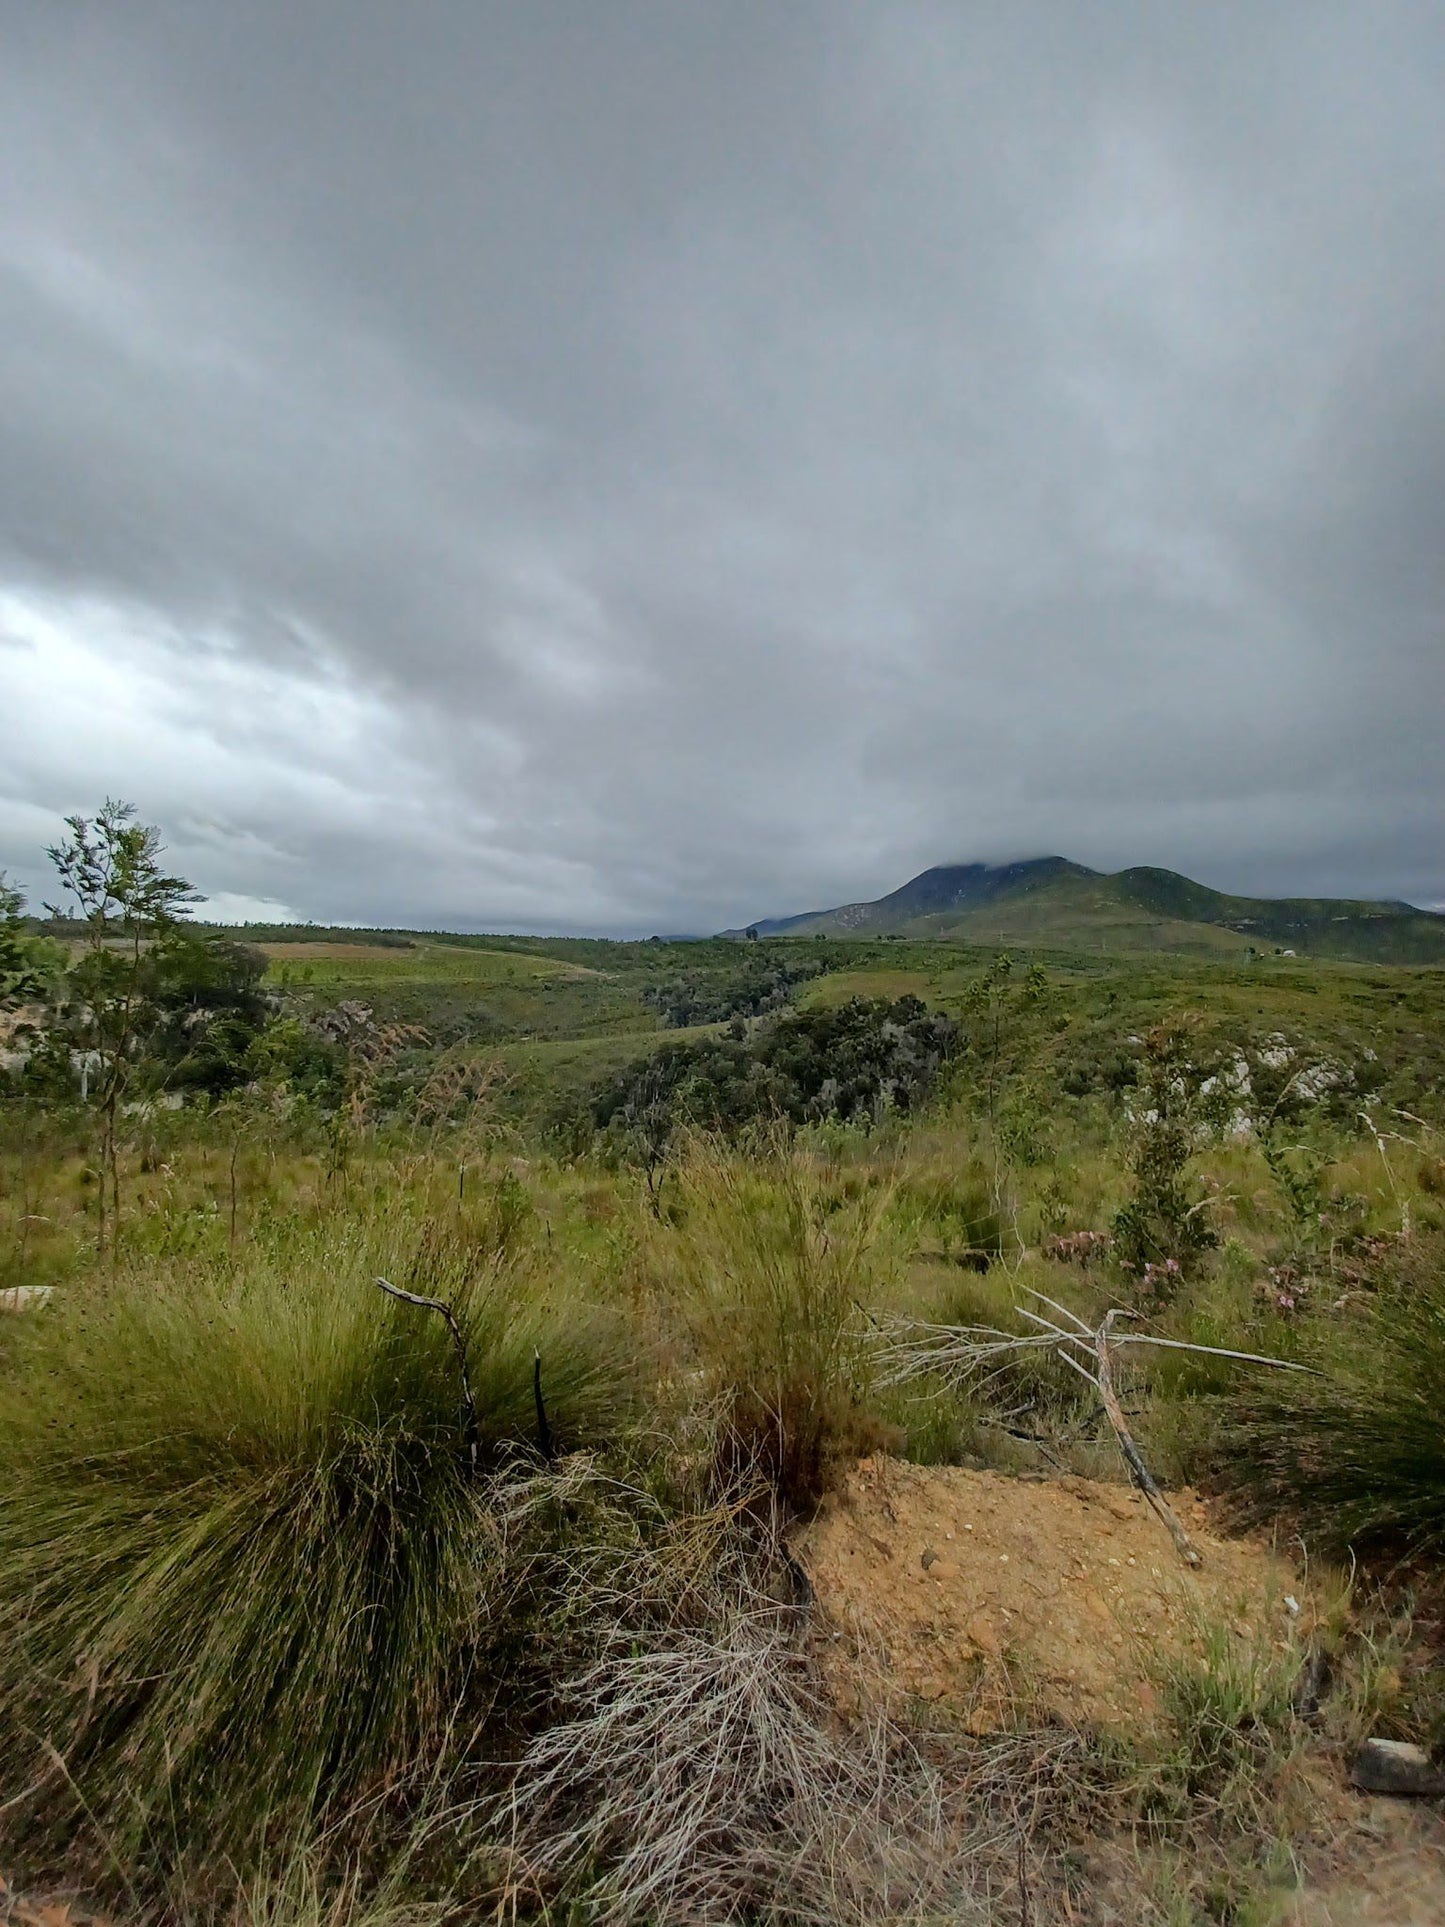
(209, 1012)
(853, 1062)
(198, 1022)
(755, 983)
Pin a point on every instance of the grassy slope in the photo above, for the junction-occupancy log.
(463, 992)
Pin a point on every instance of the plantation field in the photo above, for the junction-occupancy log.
(421, 962)
(747, 1246)
(459, 992)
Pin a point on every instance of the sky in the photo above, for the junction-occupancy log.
(652, 465)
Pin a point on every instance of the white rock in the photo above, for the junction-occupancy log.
(24, 1297)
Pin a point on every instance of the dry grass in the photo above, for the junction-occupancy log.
(700, 1775)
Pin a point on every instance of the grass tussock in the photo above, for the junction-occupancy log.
(304, 1890)
(245, 1565)
(775, 1269)
(1227, 1720)
(1357, 1454)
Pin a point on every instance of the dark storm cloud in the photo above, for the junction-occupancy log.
(645, 465)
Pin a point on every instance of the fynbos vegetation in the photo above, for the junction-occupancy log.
(469, 1450)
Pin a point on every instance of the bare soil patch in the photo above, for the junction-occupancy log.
(970, 1589)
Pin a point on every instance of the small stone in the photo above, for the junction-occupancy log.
(1395, 1766)
(980, 1631)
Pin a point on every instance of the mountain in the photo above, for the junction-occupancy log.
(1049, 900)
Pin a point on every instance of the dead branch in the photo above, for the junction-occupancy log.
(911, 1348)
(472, 1432)
(1104, 1379)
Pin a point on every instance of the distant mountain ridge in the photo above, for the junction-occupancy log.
(1050, 900)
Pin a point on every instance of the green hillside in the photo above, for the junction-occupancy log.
(1054, 902)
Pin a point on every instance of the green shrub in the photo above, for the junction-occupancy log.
(747, 983)
(245, 1564)
(1163, 1227)
(854, 1062)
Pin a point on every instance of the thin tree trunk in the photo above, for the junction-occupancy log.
(235, 1152)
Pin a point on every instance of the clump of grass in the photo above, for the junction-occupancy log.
(938, 1422)
(1357, 1455)
(1218, 1789)
(302, 1888)
(953, 1210)
(774, 1273)
(1227, 1712)
(246, 1566)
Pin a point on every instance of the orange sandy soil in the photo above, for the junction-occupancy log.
(970, 1589)
(977, 1592)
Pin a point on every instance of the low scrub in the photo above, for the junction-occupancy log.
(858, 1062)
(248, 1564)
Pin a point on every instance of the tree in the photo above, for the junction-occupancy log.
(131, 912)
(21, 976)
(209, 1010)
(991, 1008)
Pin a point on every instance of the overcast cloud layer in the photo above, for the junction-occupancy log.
(641, 466)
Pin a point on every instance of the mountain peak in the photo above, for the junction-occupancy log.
(1050, 900)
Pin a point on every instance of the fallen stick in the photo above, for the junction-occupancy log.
(1143, 1478)
(967, 1350)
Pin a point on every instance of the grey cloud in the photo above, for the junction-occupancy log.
(649, 465)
